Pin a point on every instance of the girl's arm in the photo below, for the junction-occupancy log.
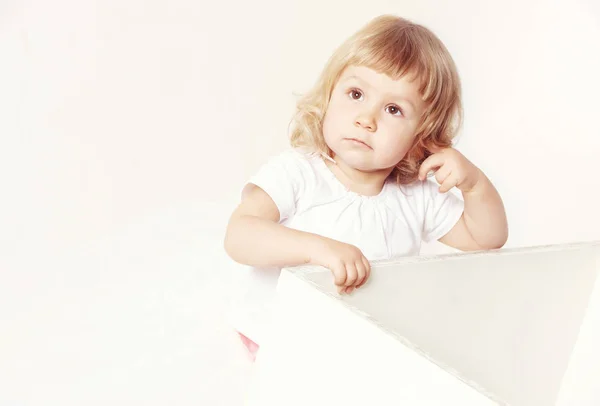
(483, 224)
(254, 237)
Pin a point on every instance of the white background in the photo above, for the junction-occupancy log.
(127, 129)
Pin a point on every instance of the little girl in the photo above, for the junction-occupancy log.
(354, 188)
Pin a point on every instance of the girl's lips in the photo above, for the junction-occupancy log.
(359, 142)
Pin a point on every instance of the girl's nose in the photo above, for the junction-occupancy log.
(366, 120)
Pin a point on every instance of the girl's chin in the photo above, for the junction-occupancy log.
(359, 163)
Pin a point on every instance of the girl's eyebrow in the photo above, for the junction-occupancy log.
(356, 78)
(393, 96)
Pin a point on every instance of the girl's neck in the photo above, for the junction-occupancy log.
(357, 181)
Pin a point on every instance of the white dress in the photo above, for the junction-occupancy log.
(310, 198)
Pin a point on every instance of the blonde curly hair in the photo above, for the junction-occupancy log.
(394, 46)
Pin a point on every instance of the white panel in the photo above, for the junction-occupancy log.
(505, 322)
(494, 317)
(320, 353)
(580, 384)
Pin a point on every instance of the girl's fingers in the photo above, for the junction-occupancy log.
(351, 274)
(448, 184)
(442, 174)
(434, 161)
(362, 274)
(339, 274)
(367, 267)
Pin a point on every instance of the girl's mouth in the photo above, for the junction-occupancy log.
(359, 142)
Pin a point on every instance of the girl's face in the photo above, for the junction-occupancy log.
(371, 120)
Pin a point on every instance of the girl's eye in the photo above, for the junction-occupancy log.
(355, 94)
(394, 110)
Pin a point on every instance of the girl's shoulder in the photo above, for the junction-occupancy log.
(291, 168)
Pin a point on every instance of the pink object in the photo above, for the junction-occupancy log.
(250, 345)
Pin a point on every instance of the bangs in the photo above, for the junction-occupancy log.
(404, 51)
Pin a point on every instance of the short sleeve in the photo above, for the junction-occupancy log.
(283, 180)
(442, 211)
